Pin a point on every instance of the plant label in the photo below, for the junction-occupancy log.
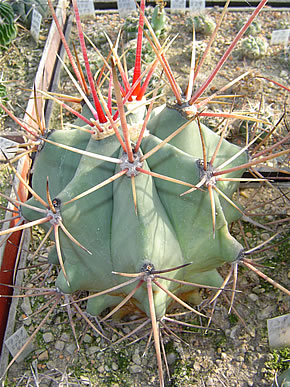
(125, 7)
(35, 24)
(8, 147)
(16, 341)
(86, 8)
(279, 331)
(280, 37)
(177, 5)
(196, 6)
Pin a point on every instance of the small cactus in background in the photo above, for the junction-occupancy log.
(159, 19)
(156, 16)
(3, 95)
(24, 9)
(253, 30)
(8, 29)
(139, 201)
(203, 24)
(254, 47)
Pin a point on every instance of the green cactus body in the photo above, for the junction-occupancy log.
(168, 230)
(203, 24)
(253, 30)
(24, 9)
(159, 20)
(8, 29)
(254, 47)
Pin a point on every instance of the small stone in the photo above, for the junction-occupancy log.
(171, 358)
(70, 348)
(43, 356)
(126, 330)
(27, 321)
(265, 313)
(26, 307)
(59, 345)
(239, 358)
(135, 369)
(136, 359)
(65, 337)
(265, 236)
(196, 367)
(253, 297)
(114, 366)
(93, 349)
(101, 369)
(48, 337)
(210, 382)
(50, 364)
(284, 74)
(85, 380)
(88, 339)
(224, 356)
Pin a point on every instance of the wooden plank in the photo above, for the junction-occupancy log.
(9, 251)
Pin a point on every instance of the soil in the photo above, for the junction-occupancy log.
(235, 352)
(19, 64)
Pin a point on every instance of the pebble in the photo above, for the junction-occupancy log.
(59, 345)
(265, 236)
(26, 307)
(93, 349)
(65, 337)
(265, 312)
(171, 358)
(284, 74)
(85, 380)
(43, 356)
(70, 348)
(88, 339)
(224, 356)
(50, 364)
(135, 369)
(48, 337)
(114, 366)
(136, 359)
(253, 297)
(27, 321)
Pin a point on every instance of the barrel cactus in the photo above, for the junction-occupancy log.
(164, 230)
(24, 9)
(8, 29)
(203, 24)
(254, 47)
(253, 30)
(138, 201)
